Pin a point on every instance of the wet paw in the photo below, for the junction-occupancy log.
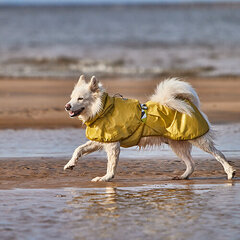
(69, 166)
(102, 179)
(231, 174)
(96, 179)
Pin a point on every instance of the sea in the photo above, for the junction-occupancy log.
(133, 40)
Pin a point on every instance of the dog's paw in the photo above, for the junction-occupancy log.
(179, 178)
(231, 173)
(105, 178)
(69, 166)
(96, 179)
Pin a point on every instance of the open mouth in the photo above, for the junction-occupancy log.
(76, 113)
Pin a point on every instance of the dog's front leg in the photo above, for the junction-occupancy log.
(82, 150)
(113, 151)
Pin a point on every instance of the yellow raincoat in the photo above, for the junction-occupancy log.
(126, 121)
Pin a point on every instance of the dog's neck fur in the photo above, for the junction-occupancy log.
(95, 108)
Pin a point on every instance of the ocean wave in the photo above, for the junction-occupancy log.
(124, 41)
(67, 67)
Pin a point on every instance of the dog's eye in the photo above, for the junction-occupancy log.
(80, 98)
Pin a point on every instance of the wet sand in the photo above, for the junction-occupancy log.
(39, 102)
(49, 173)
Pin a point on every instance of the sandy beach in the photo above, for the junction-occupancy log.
(49, 173)
(39, 102)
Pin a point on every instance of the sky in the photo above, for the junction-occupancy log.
(103, 1)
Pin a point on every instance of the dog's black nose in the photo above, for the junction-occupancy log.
(68, 106)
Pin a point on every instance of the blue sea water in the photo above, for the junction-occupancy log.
(125, 40)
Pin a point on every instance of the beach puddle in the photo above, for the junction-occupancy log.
(62, 142)
(166, 211)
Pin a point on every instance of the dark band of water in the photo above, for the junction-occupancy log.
(62, 142)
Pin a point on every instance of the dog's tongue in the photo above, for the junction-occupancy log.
(71, 113)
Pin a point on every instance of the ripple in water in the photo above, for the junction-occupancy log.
(148, 212)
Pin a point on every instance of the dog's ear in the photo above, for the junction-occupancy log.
(81, 80)
(94, 84)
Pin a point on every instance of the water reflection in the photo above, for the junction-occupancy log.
(166, 211)
(157, 212)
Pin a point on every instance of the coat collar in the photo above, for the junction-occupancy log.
(107, 103)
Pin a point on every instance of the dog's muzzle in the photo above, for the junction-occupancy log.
(73, 113)
(76, 113)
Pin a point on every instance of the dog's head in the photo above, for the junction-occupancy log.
(85, 99)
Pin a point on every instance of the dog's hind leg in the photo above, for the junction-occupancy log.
(82, 150)
(206, 144)
(183, 150)
(113, 151)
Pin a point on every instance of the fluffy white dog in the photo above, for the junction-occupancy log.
(88, 103)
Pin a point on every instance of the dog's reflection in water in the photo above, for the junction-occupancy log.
(110, 200)
(93, 202)
(121, 201)
(165, 210)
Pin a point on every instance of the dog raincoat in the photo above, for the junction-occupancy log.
(126, 121)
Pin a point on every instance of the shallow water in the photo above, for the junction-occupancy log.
(62, 142)
(208, 211)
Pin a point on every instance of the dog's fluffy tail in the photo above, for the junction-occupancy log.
(172, 93)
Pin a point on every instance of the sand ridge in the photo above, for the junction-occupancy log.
(49, 173)
(39, 102)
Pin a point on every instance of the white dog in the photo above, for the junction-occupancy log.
(87, 102)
